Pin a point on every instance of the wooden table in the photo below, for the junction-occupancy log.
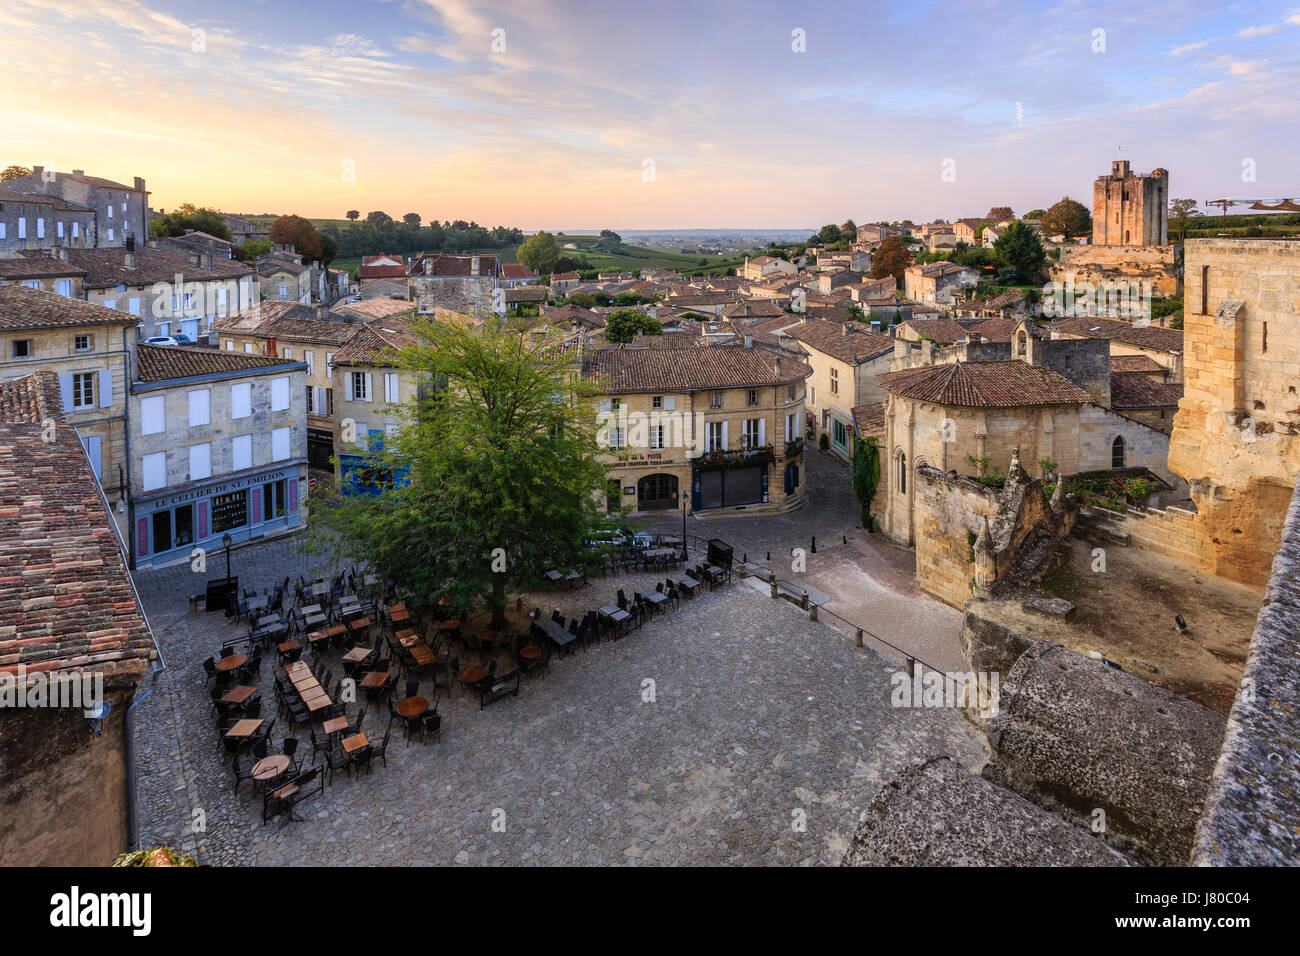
(237, 695)
(335, 724)
(358, 654)
(312, 609)
(360, 624)
(244, 728)
(289, 647)
(375, 679)
(422, 656)
(473, 674)
(268, 768)
(355, 743)
(407, 637)
(413, 706)
(315, 637)
(531, 653)
(231, 662)
(449, 625)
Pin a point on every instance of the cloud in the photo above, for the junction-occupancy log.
(1189, 47)
(1263, 31)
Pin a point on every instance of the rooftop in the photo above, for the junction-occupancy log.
(983, 385)
(626, 371)
(165, 363)
(24, 308)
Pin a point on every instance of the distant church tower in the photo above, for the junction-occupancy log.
(1130, 210)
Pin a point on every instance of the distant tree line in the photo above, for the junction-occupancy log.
(380, 232)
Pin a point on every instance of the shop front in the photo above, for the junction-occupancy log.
(170, 524)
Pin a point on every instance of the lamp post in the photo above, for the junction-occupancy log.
(227, 540)
(685, 498)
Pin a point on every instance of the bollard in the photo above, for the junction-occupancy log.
(814, 545)
(812, 613)
(857, 640)
(771, 579)
(803, 601)
(769, 555)
(846, 538)
(911, 667)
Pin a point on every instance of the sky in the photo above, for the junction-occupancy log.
(551, 114)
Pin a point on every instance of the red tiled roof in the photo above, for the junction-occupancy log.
(460, 265)
(1134, 363)
(37, 267)
(23, 308)
(983, 385)
(1133, 390)
(1143, 337)
(66, 601)
(374, 344)
(869, 419)
(106, 268)
(376, 267)
(164, 363)
(943, 331)
(681, 370)
(517, 270)
(858, 345)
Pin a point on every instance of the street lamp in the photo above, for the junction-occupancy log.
(685, 497)
(227, 540)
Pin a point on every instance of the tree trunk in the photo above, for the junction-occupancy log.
(498, 601)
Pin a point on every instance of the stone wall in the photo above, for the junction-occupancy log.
(1251, 817)
(1097, 264)
(1236, 436)
(1075, 736)
(469, 295)
(950, 512)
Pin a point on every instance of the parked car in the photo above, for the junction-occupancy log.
(163, 340)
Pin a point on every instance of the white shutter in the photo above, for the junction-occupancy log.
(669, 402)
(347, 386)
(279, 393)
(200, 461)
(105, 388)
(604, 406)
(241, 452)
(65, 386)
(725, 443)
(318, 399)
(153, 415)
(92, 445)
(241, 400)
(390, 388)
(280, 444)
(200, 407)
(762, 432)
(370, 388)
(154, 470)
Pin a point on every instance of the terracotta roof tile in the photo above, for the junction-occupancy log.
(164, 363)
(106, 268)
(1133, 390)
(681, 370)
(983, 385)
(24, 308)
(858, 345)
(1144, 337)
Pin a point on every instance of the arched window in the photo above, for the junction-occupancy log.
(1021, 339)
(902, 473)
(1117, 452)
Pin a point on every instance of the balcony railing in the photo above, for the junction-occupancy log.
(794, 447)
(736, 457)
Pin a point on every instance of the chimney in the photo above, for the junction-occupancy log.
(78, 172)
(139, 184)
(129, 259)
(270, 346)
(428, 267)
(778, 365)
(927, 352)
(61, 252)
(473, 265)
(848, 329)
(975, 338)
(749, 341)
(37, 170)
(322, 313)
(192, 258)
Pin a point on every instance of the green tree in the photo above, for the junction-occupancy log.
(539, 252)
(849, 231)
(1067, 218)
(504, 482)
(866, 475)
(891, 259)
(188, 217)
(14, 172)
(354, 214)
(1036, 214)
(583, 299)
(1019, 248)
(299, 233)
(1180, 210)
(999, 214)
(625, 324)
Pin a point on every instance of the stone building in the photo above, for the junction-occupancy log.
(71, 623)
(845, 359)
(1236, 437)
(36, 222)
(718, 424)
(218, 446)
(937, 283)
(87, 348)
(52, 273)
(283, 276)
(462, 284)
(121, 212)
(1130, 209)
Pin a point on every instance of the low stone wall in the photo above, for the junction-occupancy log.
(935, 813)
(1171, 532)
(1252, 815)
(1075, 736)
(950, 511)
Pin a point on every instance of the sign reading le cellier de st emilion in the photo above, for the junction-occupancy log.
(234, 484)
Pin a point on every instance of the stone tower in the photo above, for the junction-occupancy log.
(1130, 210)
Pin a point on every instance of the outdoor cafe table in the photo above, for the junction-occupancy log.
(422, 656)
(554, 631)
(232, 662)
(355, 743)
(375, 679)
(288, 647)
(357, 654)
(531, 653)
(407, 637)
(716, 572)
(316, 637)
(688, 584)
(413, 706)
(257, 602)
(268, 619)
(268, 768)
(655, 597)
(614, 613)
(244, 728)
(335, 724)
(237, 695)
(473, 674)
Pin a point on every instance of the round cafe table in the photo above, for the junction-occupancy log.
(412, 706)
(473, 674)
(531, 653)
(268, 768)
(231, 662)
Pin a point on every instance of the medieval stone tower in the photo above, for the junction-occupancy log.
(1130, 210)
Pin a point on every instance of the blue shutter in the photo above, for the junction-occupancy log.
(105, 388)
(65, 387)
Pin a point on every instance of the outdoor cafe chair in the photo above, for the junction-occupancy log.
(432, 725)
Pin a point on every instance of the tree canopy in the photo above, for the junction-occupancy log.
(504, 482)
(890, 259)
(625, 324)
(1019, 248)
(539, 252)
(1181, 210)
(13, 172)
(1067, 218)
(299, 233)
(185, 217)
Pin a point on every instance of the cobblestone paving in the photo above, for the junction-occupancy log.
(761, 719)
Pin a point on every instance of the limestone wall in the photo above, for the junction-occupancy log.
(1099, 263)
(949, 514)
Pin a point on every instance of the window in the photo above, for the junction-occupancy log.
(361, 431)
(657, 401)
(2, 230)
(715, 400)
(812, 396)
(133, 305)
(110, 235)
(329, 363)
(154, 470)
(329, 402)
(229, 511)
(83, 390)
(284, 291)
(22, 348)
(617, 438)
(248, 347)
(716, 437)
(789, 393)
(1117, 452)
(241, 452)
(753, 396)
(200, 407)
(200, 461)
(840, 434)
(835, 381)
(280, 442)
(657, 436)
(110, 210)
(110, 303)
(391, 388)
(40, 228)
(64, 288)
(230, 346)
(307, 357)
(902, 473)
(153, 415)
(311, 400)
(751, 433)
(22, 227)
(1205, 290)
(280, 393)
(273, 500)
(360, 386)
(241, 400)
(286, 353)
(76, 230)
